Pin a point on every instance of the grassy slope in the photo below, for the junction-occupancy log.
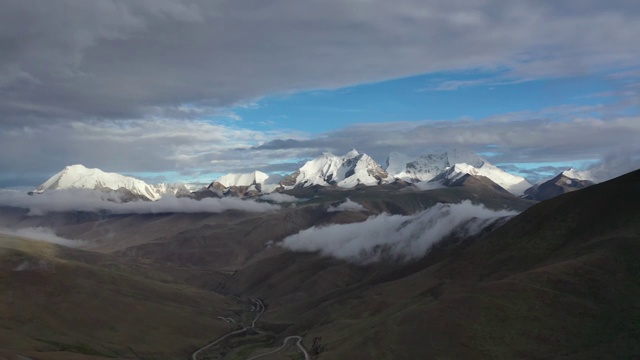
(61, 303)
(562, 280)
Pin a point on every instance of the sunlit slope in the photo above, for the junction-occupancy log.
(62, 303)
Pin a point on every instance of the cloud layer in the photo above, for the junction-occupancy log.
(95, 201)
(280, 198)
(123, 59)
(394, 237)
(43, 234)
(347, 205)
(194, 149)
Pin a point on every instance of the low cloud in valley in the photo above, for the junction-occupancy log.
(94, 201)
(42, 234)
(347, 205)
(395, 237)
(280, 198)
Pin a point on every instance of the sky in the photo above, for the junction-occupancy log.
(187, 90)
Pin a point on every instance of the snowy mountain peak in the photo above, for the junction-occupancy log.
(512, 183)
(396, 163)
(456, 163)
(426, 167)
(246, 179)
(578, 175)
(75, 167)
(457, 156)
(80, 177)
(352, 153)
(567, 181)
(344, 171)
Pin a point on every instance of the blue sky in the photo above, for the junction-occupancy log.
(440, 96)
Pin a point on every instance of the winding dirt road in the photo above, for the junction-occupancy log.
(259, 307)
(284, 344)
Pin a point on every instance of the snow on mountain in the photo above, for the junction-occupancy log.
(512, 183)
(456, 163)
(465, 157)
(397, 163)
(247, 179)
(80, 177)
(255, 181)
(344, 171)
(578, 175)
(567, 181)
(426, 167)
(175, 189)
(272, 183)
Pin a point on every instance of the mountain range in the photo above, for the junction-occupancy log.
(347, 171)
(557, 280)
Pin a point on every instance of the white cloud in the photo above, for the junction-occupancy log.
(43, 234)
(347, 205)
(94, 201)
(156, 145)
(523, 137)
(280, 198)
(451, 85)
(426, 185)
(389, 237)
(200, 150)
(616, 163)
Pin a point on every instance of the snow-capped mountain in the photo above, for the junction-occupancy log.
(344, 171)
(567, 181)
(512, 183)
(455, 163)
(175, 189)
(579, 175)
(396, 164)
(423, 168)
(248, 179)
(80, 177)
(428, 166)
(255, 181)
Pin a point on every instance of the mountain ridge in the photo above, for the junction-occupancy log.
(336, 171)
(565, 182)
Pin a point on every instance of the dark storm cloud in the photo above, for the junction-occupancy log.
(129, 59)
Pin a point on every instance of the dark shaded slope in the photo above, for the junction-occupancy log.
(562, 227)
(561, 280)
(557, 186)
